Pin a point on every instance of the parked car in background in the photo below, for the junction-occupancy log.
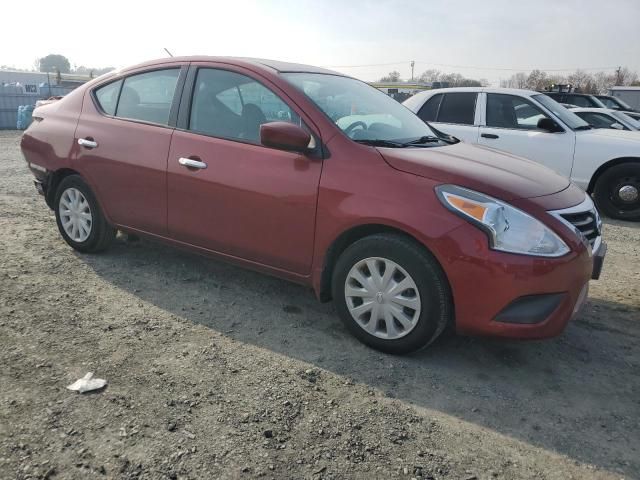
(577, 99)
(605, 163)
(607, 118)
(323, 180)
(616, 103)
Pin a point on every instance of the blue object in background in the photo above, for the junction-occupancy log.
(24, 116)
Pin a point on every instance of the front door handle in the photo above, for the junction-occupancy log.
(489, 135)
(87, 142)
(192, 163)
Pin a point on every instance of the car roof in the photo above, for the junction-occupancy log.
(593, 110)
(507, 91)
(260, 63)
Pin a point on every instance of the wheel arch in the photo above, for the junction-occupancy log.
(605, 166)
(349, 237)
(54, 180)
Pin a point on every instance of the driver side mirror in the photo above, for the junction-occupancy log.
(617, 126)
(549, 125)
(285, 136)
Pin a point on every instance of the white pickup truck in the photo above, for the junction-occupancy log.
(605, 163)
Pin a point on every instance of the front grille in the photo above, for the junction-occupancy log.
(587, 222)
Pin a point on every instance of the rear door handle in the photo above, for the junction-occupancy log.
(489, 135)
(87, 142)
(192, 163)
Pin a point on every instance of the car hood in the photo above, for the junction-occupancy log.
(611, 135)
(483, 169)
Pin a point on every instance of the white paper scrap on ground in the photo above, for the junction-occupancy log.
(87, 384)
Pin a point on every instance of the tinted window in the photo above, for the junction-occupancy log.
(230, 105)
(579, 101)
(608, 102)
(558, 97)
(148, 96)
(429, 110)
(509, 111)
(107, 97)
(458, 108)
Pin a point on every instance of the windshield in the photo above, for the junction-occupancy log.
(361, 111)
(626, 119)
(613, 102)
(566, 116)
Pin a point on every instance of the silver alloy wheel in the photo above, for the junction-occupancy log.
(628, 193)
(382, 298)
(75, 214)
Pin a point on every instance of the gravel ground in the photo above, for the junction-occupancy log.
(217, 372)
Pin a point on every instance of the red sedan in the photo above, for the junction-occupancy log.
(318, 178)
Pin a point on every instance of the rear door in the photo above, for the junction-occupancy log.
(511, 125)
(125, 128)
(246, 200)
(453, 113)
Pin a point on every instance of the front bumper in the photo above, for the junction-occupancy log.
(514, 296)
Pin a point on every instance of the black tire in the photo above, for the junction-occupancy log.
(607, 188)
(101, 234)
(424, 269)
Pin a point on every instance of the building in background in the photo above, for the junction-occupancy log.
(630, 95)
(26, 88)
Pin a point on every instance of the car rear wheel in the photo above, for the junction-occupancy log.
(391, 293)
(79, 217)
(617, 192)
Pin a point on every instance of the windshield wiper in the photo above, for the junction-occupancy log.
(377, 142)
(424, 139)
(584, 127)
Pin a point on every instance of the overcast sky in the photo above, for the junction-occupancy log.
(488, 35)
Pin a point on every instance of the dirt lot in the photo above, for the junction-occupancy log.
(217, 372)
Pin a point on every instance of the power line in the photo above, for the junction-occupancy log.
(518, 69)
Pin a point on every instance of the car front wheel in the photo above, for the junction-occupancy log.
(617, 192)
(79, 217)
(391, 293)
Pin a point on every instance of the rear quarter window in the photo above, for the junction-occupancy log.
(107, 97)
(429, 110)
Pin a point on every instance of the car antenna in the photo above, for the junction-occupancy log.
(170, 54)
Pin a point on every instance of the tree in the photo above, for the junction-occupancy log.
(54, 63)
(82, 70)
(391, 77)
(537, 80)
(430, 75)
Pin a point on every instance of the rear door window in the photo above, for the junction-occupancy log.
(107, 97)
(429, 110)
(458, 108)
(148, 96)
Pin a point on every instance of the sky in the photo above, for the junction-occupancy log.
(489, 39)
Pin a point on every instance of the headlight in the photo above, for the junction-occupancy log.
(509, 229)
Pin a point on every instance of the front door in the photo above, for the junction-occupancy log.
(240, 198)
(511, 125)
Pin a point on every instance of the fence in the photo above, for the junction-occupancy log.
(11, 97)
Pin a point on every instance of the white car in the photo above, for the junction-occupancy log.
(605, 163)
(607, 118)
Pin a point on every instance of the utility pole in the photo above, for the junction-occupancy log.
(618, 71)
(412, 65)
